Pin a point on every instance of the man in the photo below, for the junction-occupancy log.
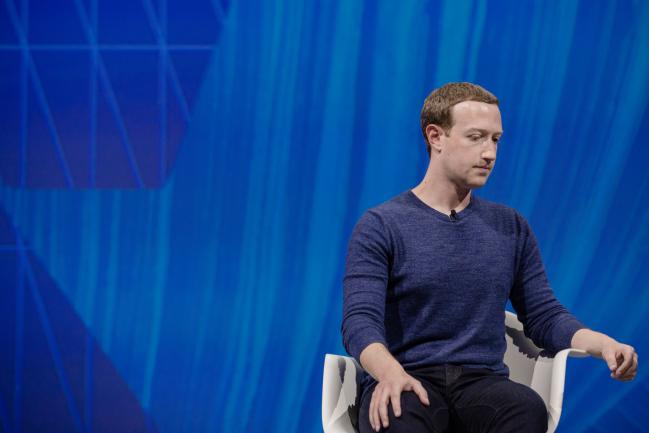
(427, 278)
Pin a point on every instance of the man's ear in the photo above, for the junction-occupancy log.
(433, 135)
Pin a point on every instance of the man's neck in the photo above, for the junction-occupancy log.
(441, 194)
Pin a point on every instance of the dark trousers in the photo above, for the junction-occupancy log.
(463, 400)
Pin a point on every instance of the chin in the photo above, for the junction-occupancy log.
(476, 184)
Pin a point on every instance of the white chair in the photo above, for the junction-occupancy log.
(342, 374)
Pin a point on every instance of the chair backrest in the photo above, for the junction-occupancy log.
(340, 390)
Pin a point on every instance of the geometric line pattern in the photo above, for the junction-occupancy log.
(121, 145)
(51, 340)
(57, 367)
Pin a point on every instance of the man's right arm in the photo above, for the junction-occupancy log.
(365, 284)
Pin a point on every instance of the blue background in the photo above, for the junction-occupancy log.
(179, 181)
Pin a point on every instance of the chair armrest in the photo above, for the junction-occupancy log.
(558, 381)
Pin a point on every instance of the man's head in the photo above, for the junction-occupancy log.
(437, 109)
(461, 125)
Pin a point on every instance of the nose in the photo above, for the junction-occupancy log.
(489, 152)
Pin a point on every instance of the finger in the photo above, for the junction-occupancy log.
(421, 393)
(627, 356)
(632, 371)
(375, 409)
(373, 418)
(395, 398)
(377, 406)
(383, 410)
(634, 364)
(609, 357)
(627, 377)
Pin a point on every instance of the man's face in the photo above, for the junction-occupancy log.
(469, 150)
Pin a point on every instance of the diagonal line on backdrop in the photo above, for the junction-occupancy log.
(89, 362)
(218, 10)
(24, 97)
(117, 115)
(40, 93)
(180, 96)
(92, 117)
(161, 34)
(92, 143)
(20, 339)
(51, 126)
(162, 45)
(162, 92)
(110, 95)
(610, 403)
(51, 340)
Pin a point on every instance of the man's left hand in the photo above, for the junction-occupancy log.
(622, 360)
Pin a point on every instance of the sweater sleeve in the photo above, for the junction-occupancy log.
(364, 285)
(545, 320)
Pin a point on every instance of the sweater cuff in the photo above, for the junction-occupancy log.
(363, 338)
(564, 333)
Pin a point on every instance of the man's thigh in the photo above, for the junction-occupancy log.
(496, 404)
(415, 416)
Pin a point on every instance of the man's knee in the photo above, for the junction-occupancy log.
(501, 406)
(415, 416)
(525, 411)
(537, 412)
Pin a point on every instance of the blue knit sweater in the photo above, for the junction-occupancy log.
(433, 289)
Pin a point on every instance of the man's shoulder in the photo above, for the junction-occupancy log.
(500, 215)
(497, 208)
(386, 214)
(395, 206)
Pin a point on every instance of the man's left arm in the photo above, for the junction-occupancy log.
(622, 359)
(550, 325)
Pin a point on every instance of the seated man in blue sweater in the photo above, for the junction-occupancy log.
(427, 278)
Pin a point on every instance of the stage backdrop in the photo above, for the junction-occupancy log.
(179, 181)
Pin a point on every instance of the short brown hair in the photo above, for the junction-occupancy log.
(437, 106)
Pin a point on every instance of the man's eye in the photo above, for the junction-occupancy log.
(475, 137)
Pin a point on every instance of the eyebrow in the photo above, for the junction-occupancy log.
(483, 131)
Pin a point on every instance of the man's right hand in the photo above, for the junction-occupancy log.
(388, 390)
(392, 381)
